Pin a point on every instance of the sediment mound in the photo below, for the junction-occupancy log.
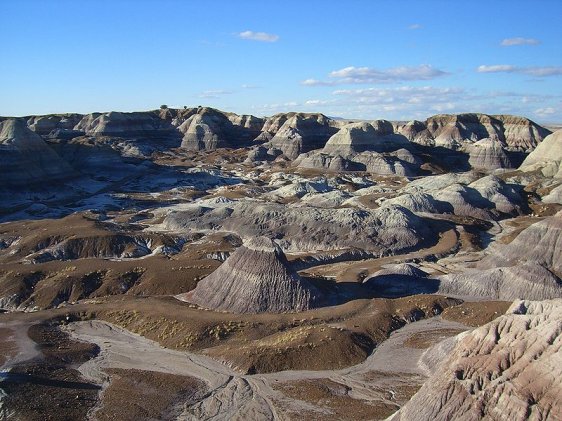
(302, 133)
(540, 243)
(26, 159)
(547, 156)
(256, 278)
(209, 129)
(462, 194)
(45, 124)
(386, 230)
(528, 281)
(488, 154)
(509, 369)
(359, 137)
(126, 125)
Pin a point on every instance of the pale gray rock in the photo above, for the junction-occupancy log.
(555, 195)
(386, 230)
(354, 138)
(302, 133)
(547, 156)
(377, 163)
(488, 154)
(319, 160)
(466, 201)
(508, 369)
(419, 202)
(406, 156)
(26, 159)
(450, 130)
(540, 243)
(416, 131)
(439, 182)
(45, 124)
(126, 125)
(520, 133)
(503, 196)
(299, 189)
(331, 199)
(209, 129)
(256, 278)
(400, 269)
(529, 281)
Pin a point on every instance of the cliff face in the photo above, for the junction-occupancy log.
(509, 369)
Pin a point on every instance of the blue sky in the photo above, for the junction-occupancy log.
(356, 59)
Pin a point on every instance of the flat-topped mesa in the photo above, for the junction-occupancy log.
(136, 124)
(256, 278)
(302, 133)
(209, 129)
(26, 159)
(547, 156)
(452, 130)
(520, 133)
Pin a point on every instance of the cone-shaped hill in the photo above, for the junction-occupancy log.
(256, 278)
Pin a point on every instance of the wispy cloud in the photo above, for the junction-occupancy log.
(509, 42)
(247, 86)
(531, 71)
(365, 75)
(402, 94)
(545, 112)
(415, 26)
(408, 102)
(258, 36)
(214, 93)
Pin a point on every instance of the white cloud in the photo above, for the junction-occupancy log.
(415, 26)
(258, 36)
(316, 82)
(509, 42)
(214, 93)
(495, 68)
(246, 86)
(545, 112)
(316, 102)
(366, 75)
(537, 71)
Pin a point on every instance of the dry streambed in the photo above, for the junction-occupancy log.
(206, 389)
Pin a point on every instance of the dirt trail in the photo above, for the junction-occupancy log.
(234, 396)
(16, 346)
(231, 396)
